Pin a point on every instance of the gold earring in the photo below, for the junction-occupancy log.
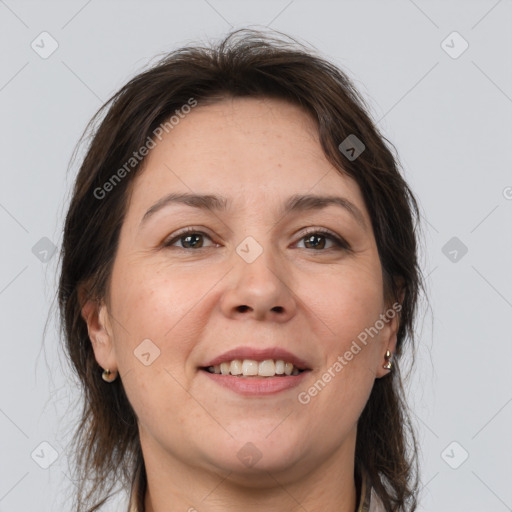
(108, 376)
(389, 364)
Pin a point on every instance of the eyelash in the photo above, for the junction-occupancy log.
(340, 243)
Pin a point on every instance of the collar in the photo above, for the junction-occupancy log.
(365, 495)
(369, 500)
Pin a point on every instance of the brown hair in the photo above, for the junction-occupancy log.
(246, 63)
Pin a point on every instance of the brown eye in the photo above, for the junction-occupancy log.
(318, 238)
(315, 241)
(189, 239)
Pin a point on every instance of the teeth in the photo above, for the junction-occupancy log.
(236, 367)
(267, 368)
(252, 368)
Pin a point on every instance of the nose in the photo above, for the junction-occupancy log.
(259, 290)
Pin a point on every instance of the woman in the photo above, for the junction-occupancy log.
(239, 280)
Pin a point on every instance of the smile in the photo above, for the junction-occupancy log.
(253, 368)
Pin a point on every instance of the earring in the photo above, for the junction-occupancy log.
(389, 364)
(108, 376)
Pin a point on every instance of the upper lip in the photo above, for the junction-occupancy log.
(259, 354)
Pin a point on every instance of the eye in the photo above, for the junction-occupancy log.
(316, 239)
(190, 238)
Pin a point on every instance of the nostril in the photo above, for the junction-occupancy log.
(242, 309)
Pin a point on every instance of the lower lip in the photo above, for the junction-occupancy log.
(254, 386)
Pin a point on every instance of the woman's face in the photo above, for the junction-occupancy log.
(255, 273)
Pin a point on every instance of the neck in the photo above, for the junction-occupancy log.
(326, 485)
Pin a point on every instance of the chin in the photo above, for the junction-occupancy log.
(250, 458)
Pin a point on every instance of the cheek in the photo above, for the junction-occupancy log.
(348, 301)
(347, 314)
(159, 304)
(150, 305)
(152, 302)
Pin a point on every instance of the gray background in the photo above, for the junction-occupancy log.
(450, 119)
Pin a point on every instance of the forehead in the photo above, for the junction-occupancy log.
(249, 149)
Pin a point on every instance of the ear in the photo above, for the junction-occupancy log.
(389, 335)
(96, 316)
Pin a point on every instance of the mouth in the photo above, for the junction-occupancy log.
(256, 372)
(251, 378)
(251, 368)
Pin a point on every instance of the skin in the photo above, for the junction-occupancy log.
(311, 301)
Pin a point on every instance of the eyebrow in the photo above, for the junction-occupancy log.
(295, 203)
